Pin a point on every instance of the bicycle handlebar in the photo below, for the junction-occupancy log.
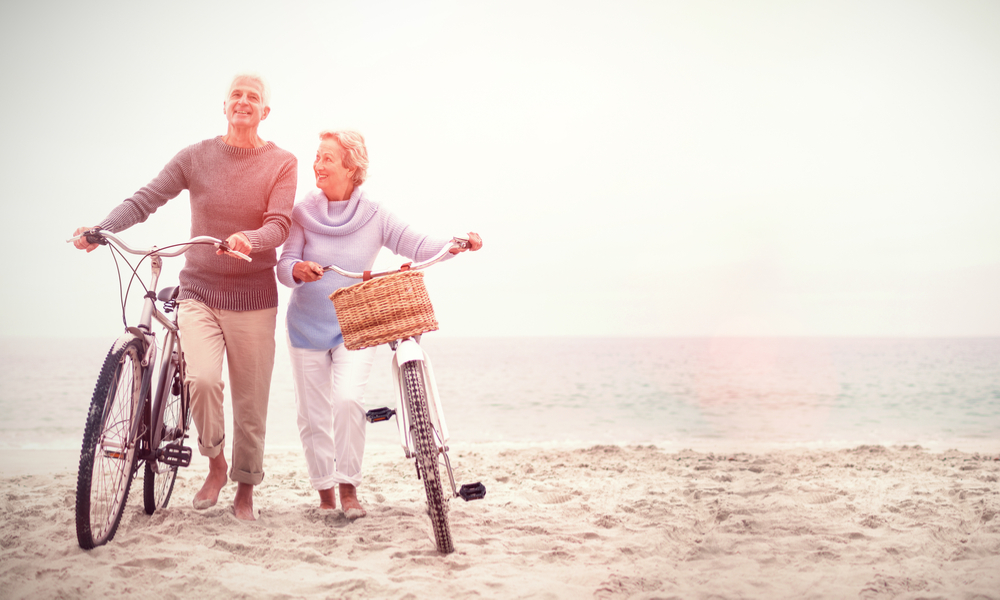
(456, 242)
(96, 236)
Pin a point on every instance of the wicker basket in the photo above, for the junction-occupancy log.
(384, 309)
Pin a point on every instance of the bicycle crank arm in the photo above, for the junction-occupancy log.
(174, 455)
(472, 491)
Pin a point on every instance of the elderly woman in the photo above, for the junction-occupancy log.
(242, 190)
(337, 224)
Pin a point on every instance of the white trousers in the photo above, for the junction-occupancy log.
(329, 395)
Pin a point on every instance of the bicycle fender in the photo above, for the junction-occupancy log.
(125, 338)
(408, 351)
(434, 400)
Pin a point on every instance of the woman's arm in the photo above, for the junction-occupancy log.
(291, 254)
(403, 240)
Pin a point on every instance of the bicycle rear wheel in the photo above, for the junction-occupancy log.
(108, 455)
(157, 486)
(422, 433)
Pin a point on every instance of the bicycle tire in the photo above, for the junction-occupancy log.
(108, 453)
(158, 486)
(421, 431)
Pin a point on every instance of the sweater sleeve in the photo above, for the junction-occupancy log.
(401, 239)
(291, 253)
(278, 214)
(171, 181)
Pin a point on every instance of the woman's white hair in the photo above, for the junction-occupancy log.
(264, 87)
(355, 154)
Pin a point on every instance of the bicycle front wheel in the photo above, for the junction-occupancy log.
(157, 486)
(108, 456)
(422, 433)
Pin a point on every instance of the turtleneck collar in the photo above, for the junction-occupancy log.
(318, 214)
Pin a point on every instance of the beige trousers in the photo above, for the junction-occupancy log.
(246, 339)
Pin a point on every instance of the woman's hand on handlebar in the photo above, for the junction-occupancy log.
(475, 242)
(307, 271)
(81, 240)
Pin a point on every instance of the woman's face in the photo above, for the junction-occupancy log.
(331, 176)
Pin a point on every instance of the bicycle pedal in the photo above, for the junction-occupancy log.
(174, 455)
(379, 414)
(472, 491)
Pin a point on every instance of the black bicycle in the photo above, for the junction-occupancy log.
(130, 420)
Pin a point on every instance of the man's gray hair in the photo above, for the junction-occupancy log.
(265, 88)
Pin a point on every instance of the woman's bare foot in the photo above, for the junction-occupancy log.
(349, 502)
(243, 503)
(217, 478)
(327, 499)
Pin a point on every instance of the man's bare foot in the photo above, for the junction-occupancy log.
(217, 478)
(349, 502)
(327, 499)
(243, 503)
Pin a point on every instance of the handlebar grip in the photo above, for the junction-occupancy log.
(92, 236)
(225, 248)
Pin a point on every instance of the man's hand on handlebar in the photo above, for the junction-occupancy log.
(238, 242)
(81, 239)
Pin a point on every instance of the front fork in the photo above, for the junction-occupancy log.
(408, 351)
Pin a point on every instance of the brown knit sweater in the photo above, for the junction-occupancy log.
(232, 189)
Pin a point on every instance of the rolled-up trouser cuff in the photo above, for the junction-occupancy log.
(211, 451)
(326, 483)
(240, 476)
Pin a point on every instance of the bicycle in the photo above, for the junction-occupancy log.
(126, 423)
(396, 310)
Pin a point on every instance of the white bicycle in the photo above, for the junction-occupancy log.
(393, 307)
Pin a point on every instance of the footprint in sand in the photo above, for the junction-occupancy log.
(555, 498)
(820, 498)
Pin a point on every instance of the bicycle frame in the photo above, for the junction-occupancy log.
(144, 331)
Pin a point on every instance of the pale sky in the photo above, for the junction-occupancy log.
(635, 168)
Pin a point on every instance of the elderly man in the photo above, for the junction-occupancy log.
(242, 190)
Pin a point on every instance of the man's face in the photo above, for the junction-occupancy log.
(245, 105)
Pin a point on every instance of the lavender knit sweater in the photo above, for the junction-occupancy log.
(348, 234)
(232, 189)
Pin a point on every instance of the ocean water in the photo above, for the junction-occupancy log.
(701, 393)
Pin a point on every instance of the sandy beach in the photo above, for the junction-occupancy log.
(557, 522)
